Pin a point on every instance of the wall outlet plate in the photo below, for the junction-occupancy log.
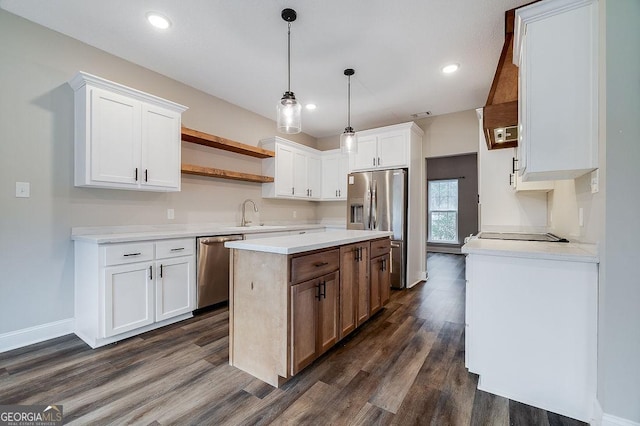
(23, 189)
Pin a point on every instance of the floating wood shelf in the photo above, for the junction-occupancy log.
(191, 169)
(201, 138)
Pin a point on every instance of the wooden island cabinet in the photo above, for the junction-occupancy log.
(294, 297)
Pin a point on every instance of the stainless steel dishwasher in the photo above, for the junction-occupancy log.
(213, 269)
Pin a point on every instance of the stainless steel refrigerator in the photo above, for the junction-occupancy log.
(378, 201)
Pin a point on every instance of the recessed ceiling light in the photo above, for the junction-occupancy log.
(158, 20)
(450, 68)
(311, 107)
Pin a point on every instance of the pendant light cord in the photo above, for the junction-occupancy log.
(349, 103)
(289, 57)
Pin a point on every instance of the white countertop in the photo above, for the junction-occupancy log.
(122, 234)
(573, 252)
(306, 242)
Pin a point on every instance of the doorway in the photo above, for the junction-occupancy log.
(452, 201)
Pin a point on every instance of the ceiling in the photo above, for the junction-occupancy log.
(237, 50)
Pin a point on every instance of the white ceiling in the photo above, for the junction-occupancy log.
(236, 50)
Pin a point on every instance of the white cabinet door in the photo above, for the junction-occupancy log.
(161, 148)
(313, 176)
(128, 297)
(558, 71)
(334, 176)
(367, 155)
(300, 174)
(284, 171)
(392, 150)
(125, 139)
(175, 287)
(114, 139)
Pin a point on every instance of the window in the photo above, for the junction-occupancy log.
(443, 211)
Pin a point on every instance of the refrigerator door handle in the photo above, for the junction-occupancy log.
(369, 213)
(374, 208)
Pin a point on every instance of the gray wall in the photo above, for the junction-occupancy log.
(458, 166)
(619, 326)
(36, 146)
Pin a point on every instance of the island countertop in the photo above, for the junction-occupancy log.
(306, 242)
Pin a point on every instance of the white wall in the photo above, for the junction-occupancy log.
(450, 134)
(36, 134)
(619, 302)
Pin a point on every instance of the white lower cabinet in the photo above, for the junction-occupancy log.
(128, 297)
(125, 289)
(531, 330)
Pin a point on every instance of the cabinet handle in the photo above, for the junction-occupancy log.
(307, 192)
(132, 254)
(378, 161)
(510, 179)
(324, 289)
(161, 270)
(177, 249)
(384, 265)
(374, 161)
(319, 264)
(150, 272)
(514, 160)
(146, 175)
(293, 191)
(136, 174)
(339, 192)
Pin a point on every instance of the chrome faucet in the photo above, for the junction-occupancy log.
(245, 222)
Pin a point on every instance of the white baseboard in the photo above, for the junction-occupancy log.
(597, 414)
(39, 333)
(611, 420)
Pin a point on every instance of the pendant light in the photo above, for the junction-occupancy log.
(348, 142)
(289, 109)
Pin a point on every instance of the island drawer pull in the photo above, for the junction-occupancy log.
(132, 254)
(319, 264)
(177, 249)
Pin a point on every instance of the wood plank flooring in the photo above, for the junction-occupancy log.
(405, 366)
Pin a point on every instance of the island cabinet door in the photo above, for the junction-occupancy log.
(328, 317)
(380, 283)
(304, 323)
(354, 286)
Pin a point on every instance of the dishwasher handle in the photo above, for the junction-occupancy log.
(207, 241)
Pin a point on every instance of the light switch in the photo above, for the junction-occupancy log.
(171, 214)
(595, 181)
(23, 189)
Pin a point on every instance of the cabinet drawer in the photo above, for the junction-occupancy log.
(380, 247)
(118, 254)
(175, 248)
(314, 265)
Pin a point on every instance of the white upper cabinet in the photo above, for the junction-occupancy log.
(383, 148)
(335, 167)
(556, 50)
(296, 170)
(124, 138)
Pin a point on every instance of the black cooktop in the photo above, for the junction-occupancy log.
(518, 236)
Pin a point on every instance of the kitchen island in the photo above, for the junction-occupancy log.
(531, 322)
(294, 297)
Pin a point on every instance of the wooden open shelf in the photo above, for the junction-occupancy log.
(191, 169)
(212, 141)
(201, 138)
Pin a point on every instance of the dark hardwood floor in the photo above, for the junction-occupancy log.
(405, 366)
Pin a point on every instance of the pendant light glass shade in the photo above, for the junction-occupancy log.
(348, 139)
(289, 110)
(289, 114)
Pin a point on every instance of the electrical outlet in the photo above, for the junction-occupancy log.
(171, 214)
(295, 214)
(23, 189)
(581, 216)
